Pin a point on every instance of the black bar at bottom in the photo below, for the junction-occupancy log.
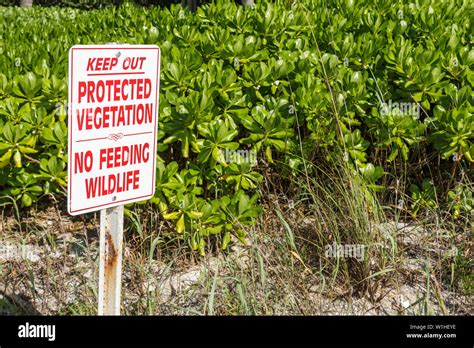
(430, 331)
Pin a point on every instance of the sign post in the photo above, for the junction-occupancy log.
(110, 260)
(113, 121)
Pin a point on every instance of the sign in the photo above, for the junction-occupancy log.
(113, 121)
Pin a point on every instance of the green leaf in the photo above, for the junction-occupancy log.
(5, 159)
(26, 200)
(180, 224)
(17, 159)
(268, 153)
(225, 240)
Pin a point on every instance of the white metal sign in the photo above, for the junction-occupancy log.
(113, 120)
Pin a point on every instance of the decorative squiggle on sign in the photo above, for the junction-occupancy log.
(115, 137)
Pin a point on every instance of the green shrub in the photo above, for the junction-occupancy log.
(280, 81)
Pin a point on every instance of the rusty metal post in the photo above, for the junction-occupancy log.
(110, 260)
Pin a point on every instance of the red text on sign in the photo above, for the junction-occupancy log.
(101, 64)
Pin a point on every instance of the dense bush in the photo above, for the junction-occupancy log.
(88, 4)
(374, 82)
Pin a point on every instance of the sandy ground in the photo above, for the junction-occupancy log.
(49, 265)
